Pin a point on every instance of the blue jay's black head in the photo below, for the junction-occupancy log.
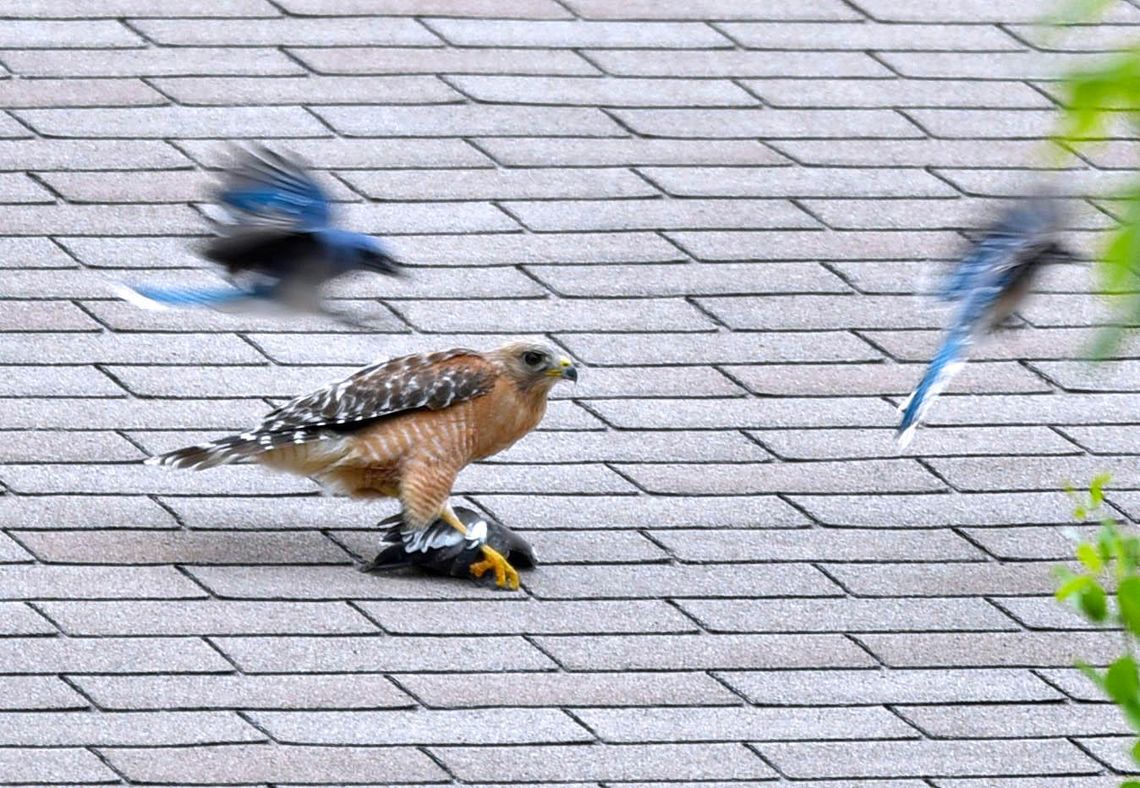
(360, 252)
(1059, 253)
(1037, 222)
(374, 258)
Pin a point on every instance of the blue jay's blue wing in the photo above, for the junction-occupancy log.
(281, 226)
(991, 251)
(267, 188)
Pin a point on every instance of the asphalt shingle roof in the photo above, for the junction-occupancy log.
(723, 209)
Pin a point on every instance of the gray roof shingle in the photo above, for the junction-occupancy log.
(726, 211)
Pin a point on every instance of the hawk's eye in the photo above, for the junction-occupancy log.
(532, 358)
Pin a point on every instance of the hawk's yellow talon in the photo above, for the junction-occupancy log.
(506, 576)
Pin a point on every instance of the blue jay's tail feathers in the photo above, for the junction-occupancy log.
(233, 448)
(166, 298)
(945, 365)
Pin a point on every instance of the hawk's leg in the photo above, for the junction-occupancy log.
(424, 490)
(448, 515)
(506, 576)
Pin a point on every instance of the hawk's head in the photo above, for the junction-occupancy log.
(532, 364)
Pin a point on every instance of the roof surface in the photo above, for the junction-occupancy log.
(721, 208)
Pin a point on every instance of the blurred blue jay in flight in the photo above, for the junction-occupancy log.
(987, 285)
(276, 241)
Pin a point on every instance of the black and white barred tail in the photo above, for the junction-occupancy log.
(233, 448)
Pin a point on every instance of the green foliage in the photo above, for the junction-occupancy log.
(1096, 99)
(1105, 589)
(1085, 11)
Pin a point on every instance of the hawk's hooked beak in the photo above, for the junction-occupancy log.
(564, 369)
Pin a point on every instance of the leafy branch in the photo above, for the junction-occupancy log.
(1094, 99)
(1106, 591)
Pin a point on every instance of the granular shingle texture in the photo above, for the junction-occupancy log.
(725, 211)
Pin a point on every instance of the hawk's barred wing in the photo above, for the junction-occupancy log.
(433, 381)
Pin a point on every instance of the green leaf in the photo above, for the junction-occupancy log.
(1118, 271)
(1117, 266)
(1093, 675)
(1130, 784)
(1122, 686)
(1136, 752)
(1093, 602)
(1128, 599)
(1121, 681)
(1074, 585)
(1107, 340)
(1125, 550)
(1089, 597)
(1063, 573)
(1107, 544)
(1088, 556)
(1096, 488)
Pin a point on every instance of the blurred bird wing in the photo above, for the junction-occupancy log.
(266, 188)
(428, 381)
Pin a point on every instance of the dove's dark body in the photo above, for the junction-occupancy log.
(448, 553)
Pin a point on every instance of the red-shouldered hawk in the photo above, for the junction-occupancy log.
(403, 429)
